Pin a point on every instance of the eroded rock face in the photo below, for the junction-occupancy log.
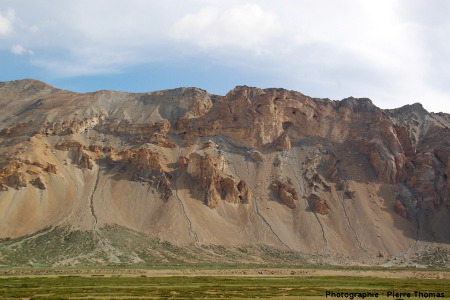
(139, 164)
(256, 155)
(183, 162)
(18, 173)
(349, 194)
(428, 175)
(142, 161)
(39, 183)
(210, 174)
(51, 168)
(330, 170)
(16, 130)
(318, 204)
(12, 175)
(245, 193)
(81, 157)
(286, 192)
(226, 148)
(277, 118)
(145, 166)
(400, 209)
(16, 180)
(230, 192)
(68, 127)
(161, 140)
(122, 127)
(282, 143)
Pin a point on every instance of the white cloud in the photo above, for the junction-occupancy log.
(6, 20)
(242, 26)
(18, 49)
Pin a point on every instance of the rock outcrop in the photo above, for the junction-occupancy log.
(39, 183)
(144, 166)
(400, 209)
(318, 204)
(210, 174)
(12, 176)
(79, 151)
(189, 167)
(286, 192)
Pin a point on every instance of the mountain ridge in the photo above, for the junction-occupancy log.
(341, 179)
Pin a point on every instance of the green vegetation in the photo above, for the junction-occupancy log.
(76, 264)
(436, 257)
(63, 247)
(46, 247)
(197, 287)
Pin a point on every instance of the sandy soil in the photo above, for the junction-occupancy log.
(237, 272)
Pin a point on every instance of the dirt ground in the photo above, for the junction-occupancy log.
(422, 274)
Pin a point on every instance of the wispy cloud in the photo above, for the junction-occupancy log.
(19, 50)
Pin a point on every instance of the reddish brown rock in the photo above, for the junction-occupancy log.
(341, 185)
(85, 161)
(350, 194)
(400, 209)
(145, 166)
(141, 160)
(110, 154)
(318, 204)
(163, 185)
(245, 193)
(39, 183)
(256, 155)
(204, 171)
(156, 138)
(122, 127)
(229, 189)
(16, 130)
(11, 175)
(68, 127)
(208, 144)
(330, 170)
(216, 185)
(212, 197)
(38, 164)
(79, 151)
(51, 169)
(97, 151)
(286, 192)
(282, 143)
(16, 180)
(31, 172)
(70, 145)
(183, 162)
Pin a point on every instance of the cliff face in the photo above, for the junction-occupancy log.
(341, 178)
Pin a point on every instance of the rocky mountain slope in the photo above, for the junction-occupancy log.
(341, 180)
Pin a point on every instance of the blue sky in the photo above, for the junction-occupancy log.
(395, 52)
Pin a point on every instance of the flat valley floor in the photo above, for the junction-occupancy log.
(209, 283)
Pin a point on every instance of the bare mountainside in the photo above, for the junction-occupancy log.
(184, 175)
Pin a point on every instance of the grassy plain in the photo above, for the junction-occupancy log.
(215, 284)
(72, 265)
